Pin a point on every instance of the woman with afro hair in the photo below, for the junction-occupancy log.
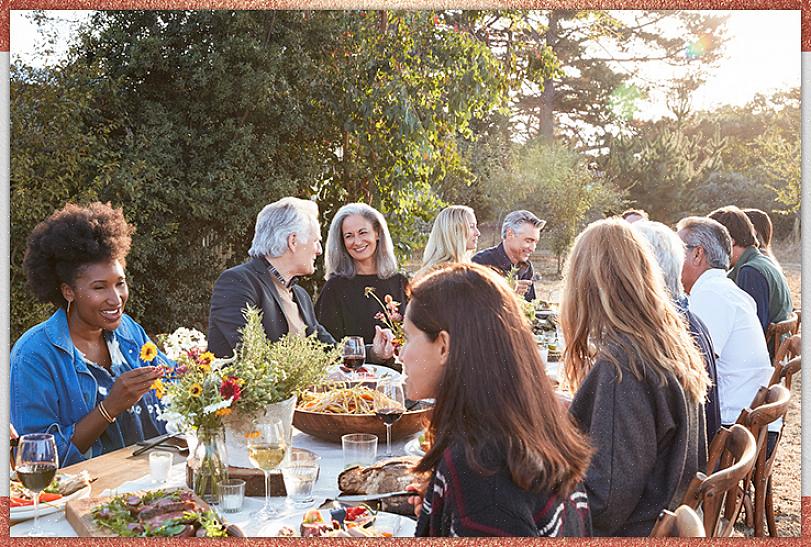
(79, 375)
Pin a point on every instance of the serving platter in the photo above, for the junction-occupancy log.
(396, 525)
(367, 374)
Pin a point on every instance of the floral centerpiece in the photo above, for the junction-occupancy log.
(202, 394)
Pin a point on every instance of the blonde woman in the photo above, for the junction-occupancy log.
(639, 380)
(453, 237)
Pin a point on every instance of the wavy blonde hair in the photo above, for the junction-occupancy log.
(448, 239)
(614, 297)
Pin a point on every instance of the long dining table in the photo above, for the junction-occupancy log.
(119, 472)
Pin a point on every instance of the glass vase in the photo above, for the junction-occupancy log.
(208, 463)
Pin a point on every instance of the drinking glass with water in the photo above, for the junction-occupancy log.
(300, 474)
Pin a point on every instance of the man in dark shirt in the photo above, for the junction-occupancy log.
(519, 237)
(752, 271)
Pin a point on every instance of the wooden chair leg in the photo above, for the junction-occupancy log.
(749, 516)
(770, 510)
(760, 506)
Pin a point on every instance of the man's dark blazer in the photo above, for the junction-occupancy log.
(251, 283)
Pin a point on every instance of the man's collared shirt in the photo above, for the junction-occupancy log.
(497, 257)
(743, 363)
(295, 323)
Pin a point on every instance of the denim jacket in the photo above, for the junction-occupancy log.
(52, 388)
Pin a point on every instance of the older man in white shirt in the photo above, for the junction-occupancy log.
(730, 314)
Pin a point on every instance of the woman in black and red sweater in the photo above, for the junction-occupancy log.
(506, 460)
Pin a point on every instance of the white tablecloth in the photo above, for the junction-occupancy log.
(326, 487)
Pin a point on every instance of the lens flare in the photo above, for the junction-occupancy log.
(698, 48)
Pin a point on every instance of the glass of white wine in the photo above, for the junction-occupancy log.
(266, 450)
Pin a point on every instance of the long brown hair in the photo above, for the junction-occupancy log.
(614, 297)
(494, 392)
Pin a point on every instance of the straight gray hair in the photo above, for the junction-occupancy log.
(710, 235)
(669, 251)
(278, 221)
(337, 261)
(514, 220)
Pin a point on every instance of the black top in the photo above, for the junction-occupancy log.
(460, 501)
(497, 258)
(344, 310)
(251, 283)
(649, 441)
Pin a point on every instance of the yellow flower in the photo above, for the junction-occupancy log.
(223, 412)
(251, 434)
(206, 359)
(159, 387)
(148, 352)
(196, 390)
(205, 368)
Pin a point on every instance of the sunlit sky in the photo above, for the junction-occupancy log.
(762, 55)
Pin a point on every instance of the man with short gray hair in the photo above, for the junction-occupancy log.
(730, 314)
(286, 242)
(520, 232)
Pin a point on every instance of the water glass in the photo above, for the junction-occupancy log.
(359, 449)
(232, 494)
(160, 465)
(300, 475)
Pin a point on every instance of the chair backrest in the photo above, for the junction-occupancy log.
(735, 450)
(763, 412)
(789, 348)
(784, 372)
(684, 522)
(776, 331)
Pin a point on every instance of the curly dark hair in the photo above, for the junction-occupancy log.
(69, 239)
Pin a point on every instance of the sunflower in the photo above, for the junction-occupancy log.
(195, 390)
(148, 352)
(206, 359)
(159, 387)
(204, 368)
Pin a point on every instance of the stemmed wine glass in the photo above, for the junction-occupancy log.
(37, 462)
(266, 449)
(389, 405)
(354, 354)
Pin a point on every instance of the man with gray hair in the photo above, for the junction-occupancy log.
(743, 363)
(519, 237)
(669, 252)
(286, 242)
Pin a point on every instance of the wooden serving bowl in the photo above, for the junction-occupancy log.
(330, 427)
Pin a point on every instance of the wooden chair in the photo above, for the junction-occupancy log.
(784, 372)
(777, 331)
(684, 522)
(769, 405)
(733, 453)
(789, 348)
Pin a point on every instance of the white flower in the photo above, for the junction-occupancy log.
(214, 407)
(182, 340)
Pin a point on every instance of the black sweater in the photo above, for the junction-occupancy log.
(649, 441)
(344, 310)
(462, 502)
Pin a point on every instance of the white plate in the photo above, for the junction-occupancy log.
(398, 525)
(374, 374)
(46, 508)
(412, 448)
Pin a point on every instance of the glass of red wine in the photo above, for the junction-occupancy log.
(37, 461)
(389, 405)
(354, 354)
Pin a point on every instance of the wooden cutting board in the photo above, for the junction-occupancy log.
(78, 514)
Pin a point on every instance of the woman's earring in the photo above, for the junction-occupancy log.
(67, 311)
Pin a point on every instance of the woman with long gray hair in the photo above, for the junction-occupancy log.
(359, 254)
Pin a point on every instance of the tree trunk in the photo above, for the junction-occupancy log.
(548, 96)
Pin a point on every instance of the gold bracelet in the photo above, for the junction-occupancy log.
(104, 413)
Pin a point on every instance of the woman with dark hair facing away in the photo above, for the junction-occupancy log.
(359, 254)
(763, 231)
(638, 378)
(83, 374)
(506, 459)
